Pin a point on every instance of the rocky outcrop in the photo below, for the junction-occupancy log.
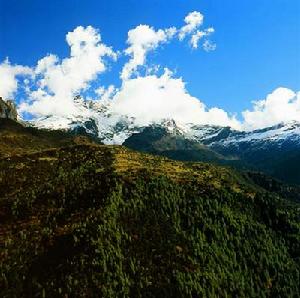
(8, 109)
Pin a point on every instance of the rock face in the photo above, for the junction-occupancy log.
(8, 109)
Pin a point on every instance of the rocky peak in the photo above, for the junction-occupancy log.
(8, 109)
(172, 126)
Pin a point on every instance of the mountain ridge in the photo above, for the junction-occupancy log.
(274, 150)
(105, 124)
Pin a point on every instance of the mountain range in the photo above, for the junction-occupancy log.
(273, 150)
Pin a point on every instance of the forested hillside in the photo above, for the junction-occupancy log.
(104, 221)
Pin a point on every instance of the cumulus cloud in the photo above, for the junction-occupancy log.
(193, 20)
(58, 81)
(152, 98)
(282, 105)
(54, 82)
(144, 38)
(9, 75)
(141, 40)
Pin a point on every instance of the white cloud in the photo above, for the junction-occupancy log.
(148, 98)
(59, 81)
(193, 20)
(196, 38)
(141, 40)
(152, 98)
(8, 78)
(199, 35)
(106, 93)
(208, 46)
(282, 105)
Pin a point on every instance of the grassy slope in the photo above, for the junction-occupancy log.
(103, 221)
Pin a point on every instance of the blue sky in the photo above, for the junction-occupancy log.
(258, 41)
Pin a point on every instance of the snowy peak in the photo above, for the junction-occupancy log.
(171, 126)
(277, 134)
(97, 118)
(208, 134)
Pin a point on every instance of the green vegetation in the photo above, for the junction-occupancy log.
(103, 221)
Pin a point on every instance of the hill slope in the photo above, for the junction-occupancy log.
(274, 150)
(16, 138)
(104, 221)
(159, 140)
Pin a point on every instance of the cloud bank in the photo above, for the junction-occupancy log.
(53, 83)
(152, 98)
(282, 105)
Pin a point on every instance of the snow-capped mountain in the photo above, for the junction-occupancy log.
(92, 118)
(98, 119)
(268, 149)
(281, 135)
